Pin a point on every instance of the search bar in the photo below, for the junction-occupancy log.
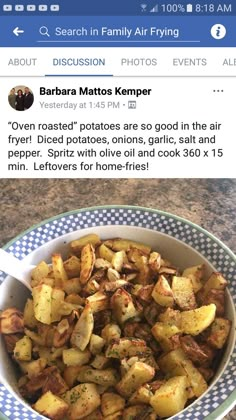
(118, 31)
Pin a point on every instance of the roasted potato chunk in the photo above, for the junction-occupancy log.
(111, 403)
(162, 293)
(83, 400)
(23, 349)
(77, 245)
(197, 320)
(126, 244)
(215, 281)
(137, 375)
(42, 298)
(171, 397)
(11, 321)
(126, 347)
(195, 274)
(105, 377)
(72, 267)
(75, 357)
(98, 302)
(83, 329)
(87, 263)
(51, 406)
(39, 273)
(29, 318)
(163, 332)
(123, 306)
(219, 333)
(182, 289)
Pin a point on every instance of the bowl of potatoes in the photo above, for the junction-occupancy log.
(131, 316)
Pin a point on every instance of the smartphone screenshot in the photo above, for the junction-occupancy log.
(117, 210)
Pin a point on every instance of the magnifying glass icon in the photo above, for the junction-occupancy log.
(43, 30)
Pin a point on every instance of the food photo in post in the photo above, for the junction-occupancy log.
(118, 200)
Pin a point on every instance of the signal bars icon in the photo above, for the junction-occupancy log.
(154, 9)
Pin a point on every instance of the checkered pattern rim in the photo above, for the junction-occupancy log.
(210, 247)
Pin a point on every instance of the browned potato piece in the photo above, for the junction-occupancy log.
(215, 281)
(87, 263)
(11, 321)
(83, 329)
(111, 403)
(163, 333)
(162, 293)
(126, 347)
(23, 349)
(182, 289)
(218, 298)
(134, 411)
(83, 400)
(77, 245)
(195, 378)
(39, 272)
(171, 397)
(95, 415)
(42, 298)
(140, 261)
(137, 375)
(75, 357)
(154, 261)
(195, 274)
(141, 396)
(72, 267)
(106, 253)
(70, 375)
(55, 383)
(100, 362)
(111, 332)
(169, 361)
(34, 367)
(123, 306)
(57, 298)
(126, 244)
(219, 333)
(51, 406)
(59, 270)
(29, 318)
(106, 377)
(118, 260)
(115, 416)
(193, 350)
(195, 321)
(171, 316)
(96, 344)
(143, 275)
(98, 302)
(176, 363)
(11, 340)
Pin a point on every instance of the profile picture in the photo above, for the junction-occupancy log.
(21, 98)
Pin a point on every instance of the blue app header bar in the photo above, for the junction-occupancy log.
(118, 7)
(130, 31)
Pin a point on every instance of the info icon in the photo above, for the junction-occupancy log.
(218, 31)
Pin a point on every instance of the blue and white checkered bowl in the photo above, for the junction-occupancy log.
(179, 240)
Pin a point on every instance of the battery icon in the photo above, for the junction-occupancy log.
(189, 8)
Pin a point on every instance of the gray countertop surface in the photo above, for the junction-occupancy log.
(211, 203)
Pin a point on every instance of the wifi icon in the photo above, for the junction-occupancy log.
(154, 9)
